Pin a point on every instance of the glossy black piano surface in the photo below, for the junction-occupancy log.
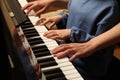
(23, 69)
(10, 44)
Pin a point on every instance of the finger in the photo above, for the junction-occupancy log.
(26, 6)
(40, 11)
(63, 53)
(57, 49)
(50, 32)
(60, 55)
(40, 21)
(55, 37)
(60, 48)
(45, 21)
(73, 57)
(51, 25)
(30, 8)
(51, 35)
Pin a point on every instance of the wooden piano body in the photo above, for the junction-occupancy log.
(13, 48)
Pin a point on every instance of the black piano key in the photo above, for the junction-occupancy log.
(27, 22)
(61, 78)
(54, 71)
(41, 54)
(30, 31)
(42, 51)
(54, 75)
(27, 25)
(38, 46)
(31, 35)
(48, 64)
(28, 28)
(46, 60)
(34, 38)
(41, 48)
(35, 42)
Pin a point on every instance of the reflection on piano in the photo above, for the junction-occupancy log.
(29, 49)
(4, 62)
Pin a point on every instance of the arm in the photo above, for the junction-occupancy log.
(106, 39)
(60, 3)
(43, 5)
(88, 48)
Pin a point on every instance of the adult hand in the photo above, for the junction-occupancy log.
(42, 4)
(58, 34)
(77, 49)
(49, 20)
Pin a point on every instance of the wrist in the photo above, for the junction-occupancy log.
(93, 45)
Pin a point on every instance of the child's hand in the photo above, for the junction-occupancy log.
(51, 20)
(58, 34)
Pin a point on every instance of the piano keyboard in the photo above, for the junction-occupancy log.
(38, 48)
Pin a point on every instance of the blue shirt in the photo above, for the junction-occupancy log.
(87, 19)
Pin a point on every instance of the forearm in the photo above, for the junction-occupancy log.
(111, 37)
(60, 3)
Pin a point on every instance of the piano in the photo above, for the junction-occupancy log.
(28, 50)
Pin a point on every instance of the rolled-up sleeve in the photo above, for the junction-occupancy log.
(63, 22)
(78, 35)
(103, 21)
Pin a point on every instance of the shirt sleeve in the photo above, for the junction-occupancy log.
(78, 35)
(105, 20)
(63, 22)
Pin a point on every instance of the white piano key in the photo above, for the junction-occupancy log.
(26, 45)
(49, 68)
(33, 19)
(39, 29)
(61, 60)
(46, 40)
(60, 64)
(72, 76)
(78, 78)
(64, 64)
(57, 66)
(70, 72)
(67, 68)
(23, 3)
(40, 58)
